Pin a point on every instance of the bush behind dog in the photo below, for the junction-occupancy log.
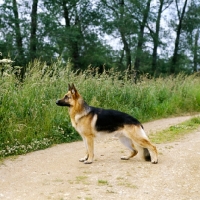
(30, 119)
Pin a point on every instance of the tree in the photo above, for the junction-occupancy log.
(140, 42)
(33, 37)
(127, 20)
(196, 61)
(122, 31)
(18, 35)
(75, 31)
(72, 26)
(181, 14)
(11, 26)
(71, 29)
(155, 34)
(116, 22)
(191, 28)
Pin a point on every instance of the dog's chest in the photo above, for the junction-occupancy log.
(84, 123)
(80, 126)
(78, 122)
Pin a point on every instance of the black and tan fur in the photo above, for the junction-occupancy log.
(90, 121)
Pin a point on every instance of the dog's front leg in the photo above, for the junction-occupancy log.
(86, 155)
(90, 147)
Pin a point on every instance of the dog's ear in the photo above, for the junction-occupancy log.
(69, 87)
(73, 89)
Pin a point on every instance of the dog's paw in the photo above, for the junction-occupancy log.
(82, 159)
(125, 158)
(87, 162)
(154, 161)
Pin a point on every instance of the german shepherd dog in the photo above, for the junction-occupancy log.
(90, 121)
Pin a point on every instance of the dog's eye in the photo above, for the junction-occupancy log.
(67, 97)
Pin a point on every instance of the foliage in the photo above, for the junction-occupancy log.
(136, 35)
(31, 120)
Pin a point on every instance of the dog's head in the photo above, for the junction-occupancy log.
(70, 97)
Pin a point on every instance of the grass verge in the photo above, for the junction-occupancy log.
(175, 132)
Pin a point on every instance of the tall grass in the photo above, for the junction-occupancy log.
(30, 119)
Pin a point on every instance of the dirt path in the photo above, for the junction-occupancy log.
(55, 173)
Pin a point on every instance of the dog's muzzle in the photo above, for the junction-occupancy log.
(61, 103)
(58, 103)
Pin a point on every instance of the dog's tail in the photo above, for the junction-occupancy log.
(146, 154)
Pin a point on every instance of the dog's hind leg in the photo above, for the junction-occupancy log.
(129, 144)
(140, 137)
(152, 149)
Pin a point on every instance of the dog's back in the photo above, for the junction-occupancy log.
(112, 120)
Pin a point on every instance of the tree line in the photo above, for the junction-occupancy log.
(154, 36)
